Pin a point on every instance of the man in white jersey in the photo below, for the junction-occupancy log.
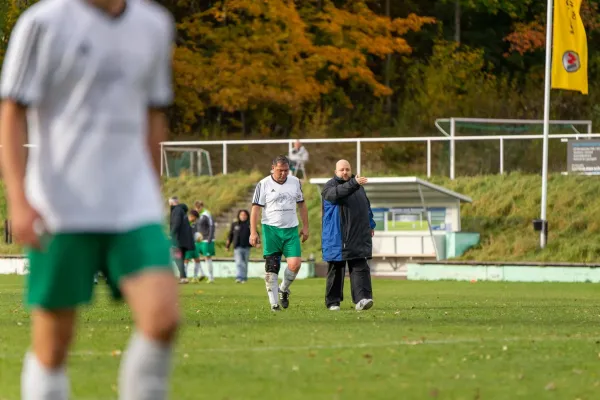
(87, 80)
(278, 195)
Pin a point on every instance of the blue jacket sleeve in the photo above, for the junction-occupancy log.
(371, 220)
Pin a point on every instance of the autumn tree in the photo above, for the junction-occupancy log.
(246, 57)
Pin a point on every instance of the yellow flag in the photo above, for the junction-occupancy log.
(569, 48)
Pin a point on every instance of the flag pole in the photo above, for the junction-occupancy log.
(549, 24)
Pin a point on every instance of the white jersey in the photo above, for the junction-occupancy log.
(88, 80)
(279, 201)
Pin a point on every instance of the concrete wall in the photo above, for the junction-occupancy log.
(507, 273)
(222, 269)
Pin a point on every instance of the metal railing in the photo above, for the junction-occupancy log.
(427, 140)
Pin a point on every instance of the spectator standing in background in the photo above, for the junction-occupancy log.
(298, 158)
(182, 237)
(239, 238)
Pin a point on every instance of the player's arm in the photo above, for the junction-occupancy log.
(22, 85)
(304, 217)
(211, 229)
(160, 93)
(303, 212)
(259, 200)
(254, 216)
(157, 133)
(13, 136)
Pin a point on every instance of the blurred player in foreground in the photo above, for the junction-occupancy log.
(278, 194)
(86, 80)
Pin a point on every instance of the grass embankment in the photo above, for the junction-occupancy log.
(502, 211)
(504, 207)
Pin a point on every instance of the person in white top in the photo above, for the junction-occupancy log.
(87, 81)
(278, 195)
(298, 157)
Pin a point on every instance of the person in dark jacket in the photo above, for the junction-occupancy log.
(239, 238)
(348, 228)
(182, 237)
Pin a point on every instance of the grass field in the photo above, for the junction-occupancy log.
(446, 340)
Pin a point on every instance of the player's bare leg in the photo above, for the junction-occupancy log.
(44, 375)
(145, 368)
(290, 273)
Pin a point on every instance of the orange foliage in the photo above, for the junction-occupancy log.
(531, 36)
(243, 54)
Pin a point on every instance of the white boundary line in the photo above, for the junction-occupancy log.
(433, 342)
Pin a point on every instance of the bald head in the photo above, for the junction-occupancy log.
(343, 170)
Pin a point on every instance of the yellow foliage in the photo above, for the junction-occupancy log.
(243, 54)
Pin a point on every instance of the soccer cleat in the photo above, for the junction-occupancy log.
(364, 305)
(284, 298)
(334, 308)
(275, 307)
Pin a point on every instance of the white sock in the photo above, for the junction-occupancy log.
(41, 383)
(288, 278)
(198, 268)
(210, 268)
(271, 281)
(144, 370)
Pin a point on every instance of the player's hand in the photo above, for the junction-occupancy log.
(304, 234)
(361, 180)
(254, 239)
(372, 232)
(27, 225)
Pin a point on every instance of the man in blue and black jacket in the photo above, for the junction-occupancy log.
(348, 228)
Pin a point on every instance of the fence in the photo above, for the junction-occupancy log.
(425, 140)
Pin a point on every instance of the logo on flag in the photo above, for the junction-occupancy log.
(571, 61)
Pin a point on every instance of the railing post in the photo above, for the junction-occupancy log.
(162, 161)
(501, 156)
(429, 158)
(224, 158)
(452, 133)
(358, 158)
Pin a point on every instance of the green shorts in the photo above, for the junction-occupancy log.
(62, 274)
(206, 249)
(192, 254)
(284, 241)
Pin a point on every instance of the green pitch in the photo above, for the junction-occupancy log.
(446, 340)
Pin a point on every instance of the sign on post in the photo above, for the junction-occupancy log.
(583, 157)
